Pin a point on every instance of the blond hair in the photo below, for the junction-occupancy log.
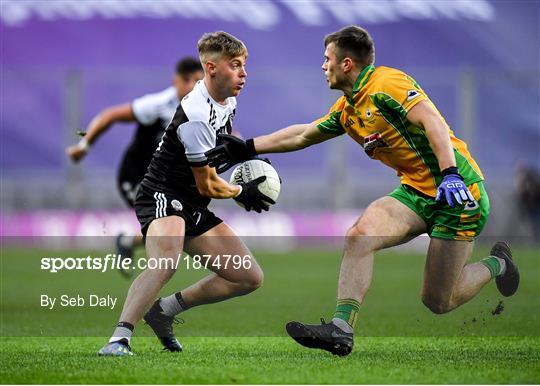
(217, 44)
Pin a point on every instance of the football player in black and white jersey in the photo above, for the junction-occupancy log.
(172, 204)
(152, 113)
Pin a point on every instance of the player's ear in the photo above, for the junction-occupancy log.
(347, 64)
(176, 80)
(210, 67)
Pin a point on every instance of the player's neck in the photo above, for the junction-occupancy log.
(214, 92)
(350, 81)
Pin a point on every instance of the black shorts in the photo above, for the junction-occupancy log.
(128, 179)
(128, 191)
(130, 174)
(150, 205)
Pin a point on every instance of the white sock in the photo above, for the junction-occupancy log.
(121, 333)
(172, 305)
(502, 263)
(343, 325)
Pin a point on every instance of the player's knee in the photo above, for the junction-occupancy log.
(252, 281)
(436, 305)
(168, 245)
(162, 269)
(360, 236)
(358, 230)
(256, 280)
(165, 252)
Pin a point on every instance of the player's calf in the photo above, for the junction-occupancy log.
(450, 288)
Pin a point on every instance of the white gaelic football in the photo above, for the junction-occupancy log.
(253, 169)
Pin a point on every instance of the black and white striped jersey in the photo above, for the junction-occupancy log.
(153, 112)
(192, 131)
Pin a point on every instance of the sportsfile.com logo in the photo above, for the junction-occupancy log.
(116, 262)
(101, 264)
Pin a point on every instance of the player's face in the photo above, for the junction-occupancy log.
(185, 83)
(231, 75)
(332, 68)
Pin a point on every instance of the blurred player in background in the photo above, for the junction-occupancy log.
(441, 192)
(172, 204)
(527, 190)
(152, 113)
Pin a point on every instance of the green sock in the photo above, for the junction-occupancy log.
(347, 310)
(493, 264)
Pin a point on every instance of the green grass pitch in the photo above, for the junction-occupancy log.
(243, 340)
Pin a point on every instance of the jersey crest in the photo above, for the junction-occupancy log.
(372, 142)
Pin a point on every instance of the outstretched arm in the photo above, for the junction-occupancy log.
(233, 150)
(291, 138)
(98, 125)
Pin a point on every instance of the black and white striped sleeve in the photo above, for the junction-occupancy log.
(197, 138)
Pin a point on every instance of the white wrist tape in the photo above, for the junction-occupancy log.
(83, 144)
(240, 192)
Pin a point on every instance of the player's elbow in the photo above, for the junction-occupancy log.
(108, 116)
(303, 141)
(431, 123)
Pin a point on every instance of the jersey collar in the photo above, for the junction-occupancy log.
(361, 81)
